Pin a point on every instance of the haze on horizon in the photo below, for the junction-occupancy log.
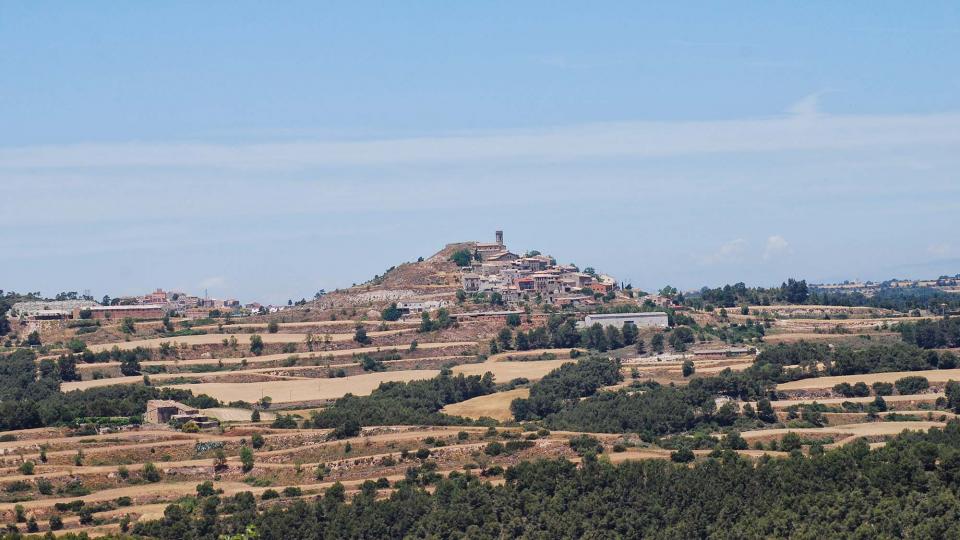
(264, 152)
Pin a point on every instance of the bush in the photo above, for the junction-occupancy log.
(270, 494)
(26, 468)
(292, 491)
(585, 444)
(682, 455)
(493, 449)
(913, 384)
(150, 472)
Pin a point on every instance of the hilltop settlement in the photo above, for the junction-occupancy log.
(483, 392)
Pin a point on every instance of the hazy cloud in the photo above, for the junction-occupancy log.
(804, 129)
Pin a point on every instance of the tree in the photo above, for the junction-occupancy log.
(496, 299)
(641, 346)
(130, 366)
(426, 325)
(794, 291)
(521, 343)
(656, 343)
(246, 459)
(56, 522)
(461, 257)
(953, 396)
(255, 415)
(688, 368)
(128, 326)
(505, 338)
(513, 320)
(26, 468)
(791, 441)
(33, 339)
(630, 333)
(461, 296)
(391, 313)
(257, 441)
(682, 455)
(256, 344)
(67, 366)
(219, 459)
(911, 385)
(150, 472)
(765, 411)
(360, 335)
(273, 327)
(879, 404)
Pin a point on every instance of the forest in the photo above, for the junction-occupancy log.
(29, 401)
(401, 403)
(906, 489)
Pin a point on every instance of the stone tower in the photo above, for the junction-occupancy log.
(500, 237)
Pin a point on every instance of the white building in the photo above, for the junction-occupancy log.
(651, 319)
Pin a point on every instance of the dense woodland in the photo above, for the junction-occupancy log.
(31, 397)
(907, 489)
(932, 334)
(400, 403)
(798, 292)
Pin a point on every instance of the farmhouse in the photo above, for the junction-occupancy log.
(651, 319)
(162, 411)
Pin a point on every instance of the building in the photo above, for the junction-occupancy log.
(156, 297)
(471, 282)
(650, 319)
(419, 306)
(140, 312)
(162, 411)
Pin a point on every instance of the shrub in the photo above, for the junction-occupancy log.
(585, 444)
(913, 384)
(150, 472)
(270, 494)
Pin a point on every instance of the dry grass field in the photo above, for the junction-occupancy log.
(232, 414)
(932, 375)
(504, 372)
(304, 389)
(844, 434)
(496, 406)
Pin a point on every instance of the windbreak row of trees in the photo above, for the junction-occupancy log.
(818, 359)
(907, 489)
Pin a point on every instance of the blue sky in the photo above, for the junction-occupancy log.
(264, 151)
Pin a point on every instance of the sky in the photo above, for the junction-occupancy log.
(264, 151)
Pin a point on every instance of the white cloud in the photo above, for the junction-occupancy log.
(804, 129)
(776, 245)
(729, 252)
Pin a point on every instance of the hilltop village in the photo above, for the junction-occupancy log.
(472, 367)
